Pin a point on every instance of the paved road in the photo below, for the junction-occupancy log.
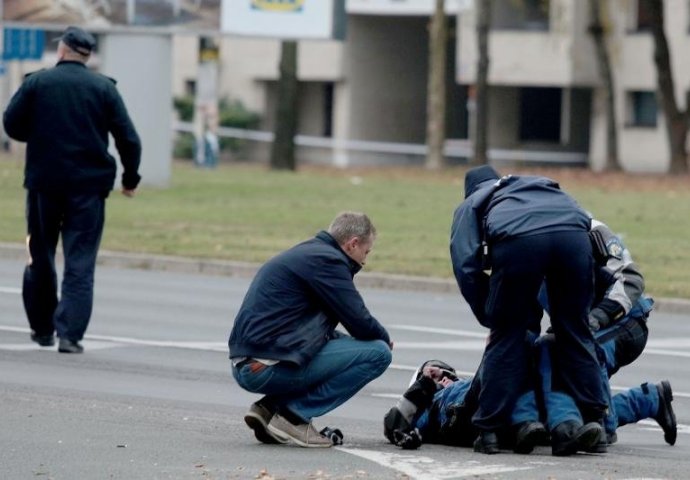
(152, 397)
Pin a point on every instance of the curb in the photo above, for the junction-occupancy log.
(247, 270)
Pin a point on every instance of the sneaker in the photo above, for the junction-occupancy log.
(257, 418)
(69, 346)
(43, 340)
(665, 416)
(529, 435)
(303, 434)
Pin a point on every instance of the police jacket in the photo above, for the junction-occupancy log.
(513, 206)
(295, 302)
(64, 114)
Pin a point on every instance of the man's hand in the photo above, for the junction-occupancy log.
(598, 319)
(128, 192)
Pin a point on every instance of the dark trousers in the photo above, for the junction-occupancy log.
(563, 260)
(78, 218)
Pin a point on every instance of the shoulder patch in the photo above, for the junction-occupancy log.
(615, 248)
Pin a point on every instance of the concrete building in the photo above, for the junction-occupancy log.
(545, 95)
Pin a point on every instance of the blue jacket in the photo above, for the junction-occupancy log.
(295, 302)
(513, 206)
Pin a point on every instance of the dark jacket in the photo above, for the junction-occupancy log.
(64, 114)
(295, 302)
(514, 206)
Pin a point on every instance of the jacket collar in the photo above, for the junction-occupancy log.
(326, 237)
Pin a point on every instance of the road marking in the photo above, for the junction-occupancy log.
(442, 331)
(420, 467)
(12, 290)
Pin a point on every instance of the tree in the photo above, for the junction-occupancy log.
(598, 30)
(283, 148)
(436, 87)
(677, 121)
(481, 129)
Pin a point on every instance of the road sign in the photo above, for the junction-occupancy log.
(23, 44)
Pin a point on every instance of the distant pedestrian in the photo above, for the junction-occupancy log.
(65, 114)
(284, 343)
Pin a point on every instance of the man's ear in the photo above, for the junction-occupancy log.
(351, 243)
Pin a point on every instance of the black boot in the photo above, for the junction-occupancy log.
(528, 435)
(569, 437)
(486, 442)
(601, 445)
(665, 416)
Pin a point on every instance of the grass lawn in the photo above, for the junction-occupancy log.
(248, 213)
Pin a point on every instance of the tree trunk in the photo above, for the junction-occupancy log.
(285, 129)
(598, 32)
(481, 130)
(676, 121)
(436, 88)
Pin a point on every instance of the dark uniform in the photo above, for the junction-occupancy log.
(525, 230)
(65, 114)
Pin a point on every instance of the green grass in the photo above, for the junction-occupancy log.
(248, 213)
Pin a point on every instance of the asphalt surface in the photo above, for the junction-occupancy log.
(152, 396)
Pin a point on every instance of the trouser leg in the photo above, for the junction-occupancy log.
(560, 407)
(338, 371)
(636, 404)
(81, 237)
(570, 287)
(39, 288)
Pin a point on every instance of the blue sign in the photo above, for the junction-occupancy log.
(23, 44)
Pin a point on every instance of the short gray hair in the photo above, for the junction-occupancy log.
(347, 225)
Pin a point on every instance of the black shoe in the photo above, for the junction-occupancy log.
(611, 438)
(43, 340)
(570, 437)
(665, 416)
(486, 442)
(600, 446)
(528, 435)
(68, 346)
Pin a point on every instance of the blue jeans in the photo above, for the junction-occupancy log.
(338, 371)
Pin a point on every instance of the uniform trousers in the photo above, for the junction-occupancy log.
(78, 218)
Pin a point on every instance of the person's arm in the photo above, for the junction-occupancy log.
(466, 256)
(127, 142)
(333, 285)
(619, 278)
(16, 118)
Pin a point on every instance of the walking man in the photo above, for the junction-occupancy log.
(64, 114)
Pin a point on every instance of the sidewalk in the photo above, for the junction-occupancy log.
(247, 270)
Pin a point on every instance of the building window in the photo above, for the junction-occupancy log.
(540, 114)
(520, 15)
(644, 18)
(642, 109)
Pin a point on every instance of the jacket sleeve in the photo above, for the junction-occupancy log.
(126, 138)
(17, 119)
(466, 256)
(623, 284)
(333, 285)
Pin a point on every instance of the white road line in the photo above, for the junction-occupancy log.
(420, 467)
(12, 290)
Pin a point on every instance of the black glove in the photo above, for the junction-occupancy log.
(334, 434)
(409, 440)
(598, 319)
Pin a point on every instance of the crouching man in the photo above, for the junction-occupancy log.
(284, 343)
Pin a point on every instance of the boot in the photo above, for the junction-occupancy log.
(570, 436)
(665, 416)
(486, 442)
(528, 435)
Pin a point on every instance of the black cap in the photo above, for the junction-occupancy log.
(477, 175)
(78, 40)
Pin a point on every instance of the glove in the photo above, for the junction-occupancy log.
(598, 319)
(409, 440)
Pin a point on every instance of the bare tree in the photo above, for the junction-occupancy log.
(436, 88)
(481, 129)
(598, 29)
(283, 148)
(677, 121)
